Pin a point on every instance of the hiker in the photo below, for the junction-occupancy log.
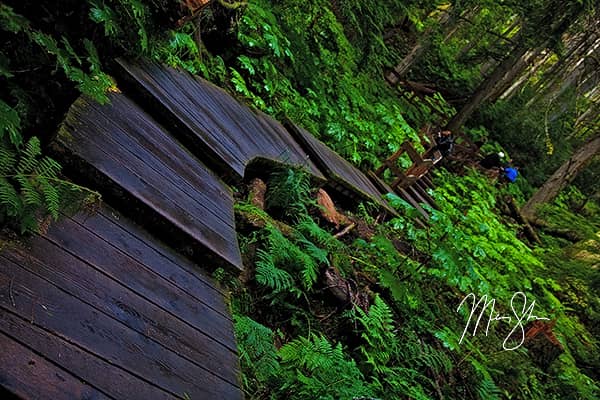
(444, 143)
(510, 174)
(494, 160)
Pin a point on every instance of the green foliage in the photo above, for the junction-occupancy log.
(117, 18)
(307, 367)
(316, 369)
(30, 186)
(258, 355)
(94, 83)
(289, 190)
(407, 343)
(301, 257)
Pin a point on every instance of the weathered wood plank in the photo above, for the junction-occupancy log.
(210, 121)
(145, 140)
(121, 233)
(53, 309)
(195, 203)
(337, 168)
(101, 144)
(411, 200)
(142, 315)
(108, 378)
(30, 376)
(89, 248)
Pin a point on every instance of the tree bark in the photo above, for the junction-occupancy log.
(486, 87)
(515, 72)
(514, 88)
(562, 177)
(393, 77)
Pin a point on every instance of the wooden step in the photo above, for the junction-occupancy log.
(343, 176)
(112, 313)
(150, 176)
(213, 125)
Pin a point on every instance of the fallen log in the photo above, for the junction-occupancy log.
(515, 212)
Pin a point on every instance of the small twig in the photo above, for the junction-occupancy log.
(363, 262)
(321, 318)
(345, 231)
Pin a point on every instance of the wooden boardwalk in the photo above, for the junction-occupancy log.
(124, 149)
(210, 122)
(105, 306)
(342, 176)
(98, 309)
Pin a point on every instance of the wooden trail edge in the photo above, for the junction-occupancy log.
(149, 175)
(211, 123)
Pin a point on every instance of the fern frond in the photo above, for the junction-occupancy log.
(28, 156)
(51, 196)
(47, 167)
(29, 191)
(8, 159)
(269, 275)
(103, 14)
(9, 198)
(10, 123)
(256, 349)
(309, 228)
(289, 189)
(487, 388)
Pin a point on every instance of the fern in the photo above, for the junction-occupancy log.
(320, 370)
(269, 275)
(257, 352)
(289, 190)
(30, 186)
(94, 83)
(10, 124)
(487, 388)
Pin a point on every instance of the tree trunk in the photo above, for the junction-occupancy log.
(562, 176)
(393, 77)
(514, 88)
(515, 72)
(486, 87)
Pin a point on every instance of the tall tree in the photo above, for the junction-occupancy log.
(562, 176)
(542, 28)
(486, 87)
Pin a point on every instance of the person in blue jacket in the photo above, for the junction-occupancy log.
(510, 173)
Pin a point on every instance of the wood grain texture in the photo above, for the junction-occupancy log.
(29, 376)
(138, 156)
(110, 379)
(112, 311)
(338, 169)
(210, 122)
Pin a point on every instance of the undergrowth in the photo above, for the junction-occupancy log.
(298, 341)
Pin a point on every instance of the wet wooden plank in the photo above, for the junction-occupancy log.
(86, 246)
(84, 366)
(384, 187)
(29, 376)
(209, 121)
(337, 168)
(201, 347)
(420, 187)
(144, 140)
(55, 310)
(128, 148)
(130, 239)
